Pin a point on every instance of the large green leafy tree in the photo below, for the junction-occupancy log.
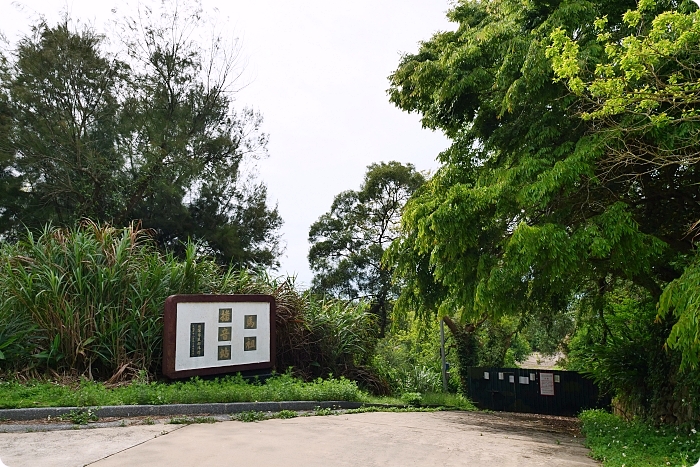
(147, 134)
(348, 242)
(522, 217)
(643, 95)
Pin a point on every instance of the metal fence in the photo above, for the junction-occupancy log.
(533, 391)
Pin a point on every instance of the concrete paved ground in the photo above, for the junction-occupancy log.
(369, 439)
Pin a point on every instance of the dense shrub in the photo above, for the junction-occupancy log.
(624, 350)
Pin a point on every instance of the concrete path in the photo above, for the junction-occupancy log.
(369, 439)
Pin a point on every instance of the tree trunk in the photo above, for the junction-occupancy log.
(467, 349)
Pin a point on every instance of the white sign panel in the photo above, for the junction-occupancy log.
(547, 384)
(233, 334)
(211, 334)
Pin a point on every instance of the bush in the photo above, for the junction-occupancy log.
(90, 298)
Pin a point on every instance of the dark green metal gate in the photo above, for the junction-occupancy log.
(547, 392)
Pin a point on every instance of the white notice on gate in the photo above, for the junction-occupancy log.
(547, 384)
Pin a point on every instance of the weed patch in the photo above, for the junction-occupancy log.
(191, 420)
(412, 398)
(250, 416)
(318, 411)
(286, 414)
(81, 416)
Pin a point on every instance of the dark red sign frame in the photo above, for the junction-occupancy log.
(170, 334)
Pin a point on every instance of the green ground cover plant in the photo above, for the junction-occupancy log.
(320, 411)
(15, 394)
(18, 394)
(441, 399)
(618, 443)
(374, 408)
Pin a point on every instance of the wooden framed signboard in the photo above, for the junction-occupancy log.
(215, 334)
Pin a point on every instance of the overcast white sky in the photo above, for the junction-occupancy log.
(317, 71)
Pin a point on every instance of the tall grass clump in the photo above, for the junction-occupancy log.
(90, 299)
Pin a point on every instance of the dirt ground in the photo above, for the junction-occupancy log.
(369, 439)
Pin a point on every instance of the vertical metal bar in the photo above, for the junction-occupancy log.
(442, 355)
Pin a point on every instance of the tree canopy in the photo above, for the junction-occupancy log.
(146, 133)
(348, 242)
(642, 95)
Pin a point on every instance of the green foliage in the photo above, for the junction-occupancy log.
(642, 92)
(90, 300)
(250, 416)
(618, 443)
(15, 394)
(345, 331)
(374, 408)
(681, 300)
(409, 356)
(145, 131)
(518, 351)
(547, 335)
(318, 411)
(348, 242)
(501, 345)
(516, 220)
(642, 88)
(447, 401)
